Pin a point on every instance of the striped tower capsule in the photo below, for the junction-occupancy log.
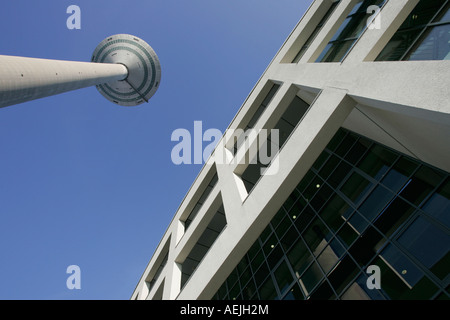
(142, 63)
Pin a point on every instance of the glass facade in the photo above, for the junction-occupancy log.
(361, 204)
(349, 32)
(425, 34)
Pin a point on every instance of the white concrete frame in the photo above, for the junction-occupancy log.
(404, 105)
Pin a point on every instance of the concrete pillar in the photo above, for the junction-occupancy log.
(24, 79)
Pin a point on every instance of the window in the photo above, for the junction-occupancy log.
(258, 112)
(401, 278)
(160, 263)
(421, 239)
(286, 124)
(203, 244)
(151, 283)
(313, 35)
(425, 34)
(349, 32)
(200, 202)
(438, 205)
(159, 293)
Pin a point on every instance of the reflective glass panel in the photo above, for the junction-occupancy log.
(420, 37)
(429, 244)
(438, 205)
(433, 45)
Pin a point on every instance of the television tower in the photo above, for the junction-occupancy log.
(124, 68)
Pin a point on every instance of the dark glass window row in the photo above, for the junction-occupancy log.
(349, 32)
(425, 34)
(360, 204)
(200, 202)
(258, 112)
(152, 282)
(206, 240)
(285, 126)
(313, 35)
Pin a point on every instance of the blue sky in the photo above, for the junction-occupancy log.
(85, 182)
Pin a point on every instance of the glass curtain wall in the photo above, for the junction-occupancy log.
(361, 204)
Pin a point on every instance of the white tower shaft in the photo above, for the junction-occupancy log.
(24, 79)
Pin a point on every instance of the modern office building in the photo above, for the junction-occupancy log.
(360, 185)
